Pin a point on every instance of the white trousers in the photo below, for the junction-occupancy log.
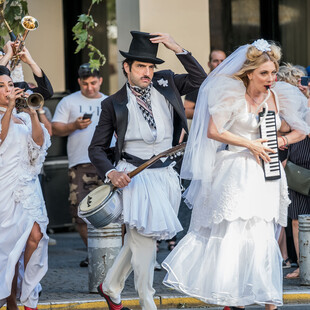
(137, 254)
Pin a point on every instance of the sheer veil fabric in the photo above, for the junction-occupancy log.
(223, 97)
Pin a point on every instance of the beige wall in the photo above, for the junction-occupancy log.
(186, 21)
(127, 15)
(46, 44)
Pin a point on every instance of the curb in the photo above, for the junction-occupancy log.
(161, 302)
(296, 297)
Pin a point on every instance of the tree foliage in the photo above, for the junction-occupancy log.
(85, 40)
(14, 11)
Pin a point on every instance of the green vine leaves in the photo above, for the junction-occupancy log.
(85, 40)
(14, 11)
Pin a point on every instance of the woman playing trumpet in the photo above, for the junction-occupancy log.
(23, 219)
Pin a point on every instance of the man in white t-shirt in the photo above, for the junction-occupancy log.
(77, 116)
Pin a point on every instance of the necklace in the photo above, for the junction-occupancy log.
(2, 109)
(257, 103)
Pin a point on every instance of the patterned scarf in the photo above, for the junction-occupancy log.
(143, 96)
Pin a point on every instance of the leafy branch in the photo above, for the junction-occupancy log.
(84, 39)
(14, 11)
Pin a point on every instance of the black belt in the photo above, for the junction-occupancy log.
(137, 161)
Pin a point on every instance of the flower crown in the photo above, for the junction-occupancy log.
(262, 45)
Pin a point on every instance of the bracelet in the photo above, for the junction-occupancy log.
(41, 112)
(286, 140)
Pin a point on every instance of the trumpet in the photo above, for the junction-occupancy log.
(34, 101)
(29, 23)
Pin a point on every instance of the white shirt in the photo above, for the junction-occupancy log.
(140, 140)
(68, 110)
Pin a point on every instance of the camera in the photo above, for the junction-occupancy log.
(305, 80)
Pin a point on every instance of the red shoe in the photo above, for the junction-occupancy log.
(111, 304)
(27, 308)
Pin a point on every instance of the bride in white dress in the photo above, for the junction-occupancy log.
(230, 255)
(23, 219)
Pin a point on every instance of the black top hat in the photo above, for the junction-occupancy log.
(142, 49)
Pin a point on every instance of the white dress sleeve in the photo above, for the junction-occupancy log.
(36, 152)
(293, 106)
(226, 101)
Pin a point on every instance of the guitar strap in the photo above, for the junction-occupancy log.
(137, 161)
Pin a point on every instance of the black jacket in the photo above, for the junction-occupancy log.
(114, 113)
(44, 86)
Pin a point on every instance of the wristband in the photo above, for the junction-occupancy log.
(41, 112)
(286, 140)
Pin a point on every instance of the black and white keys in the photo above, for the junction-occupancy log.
(268, 130)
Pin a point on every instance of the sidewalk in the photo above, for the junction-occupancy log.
(65, 285)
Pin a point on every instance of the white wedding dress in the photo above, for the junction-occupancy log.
(21, 205)
(233, 258)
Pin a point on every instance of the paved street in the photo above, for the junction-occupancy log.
(286, 307)
(66, 284)
(65, 278)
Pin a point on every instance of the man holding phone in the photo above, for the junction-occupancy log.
(77, 116)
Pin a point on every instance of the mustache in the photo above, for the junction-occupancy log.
(145, 77)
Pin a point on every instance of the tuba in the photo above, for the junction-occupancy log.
(34, 101)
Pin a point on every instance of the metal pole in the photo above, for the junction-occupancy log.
(103, 246)
(304, 248)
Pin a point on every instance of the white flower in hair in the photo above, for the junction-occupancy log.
(262, 45)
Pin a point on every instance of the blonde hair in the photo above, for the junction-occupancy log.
(290, 74)
(255, 58)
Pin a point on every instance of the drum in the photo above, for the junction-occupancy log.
(101, 206)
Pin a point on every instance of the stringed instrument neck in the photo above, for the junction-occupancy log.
(170, 152)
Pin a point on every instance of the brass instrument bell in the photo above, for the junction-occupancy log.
(34, 101)
(29, 23)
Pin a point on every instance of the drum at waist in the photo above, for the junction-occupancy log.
(101, 206)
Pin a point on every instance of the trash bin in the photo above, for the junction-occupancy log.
(55, 187)
(104, 245)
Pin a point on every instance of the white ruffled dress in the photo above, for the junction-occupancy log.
(151, 201)
(232, 256)
(21, 205)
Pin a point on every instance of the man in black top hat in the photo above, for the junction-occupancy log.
(147, 116)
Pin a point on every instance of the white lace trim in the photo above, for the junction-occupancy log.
(26, 192)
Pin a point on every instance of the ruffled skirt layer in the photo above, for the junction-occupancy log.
(151, 201)
(235, 263)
